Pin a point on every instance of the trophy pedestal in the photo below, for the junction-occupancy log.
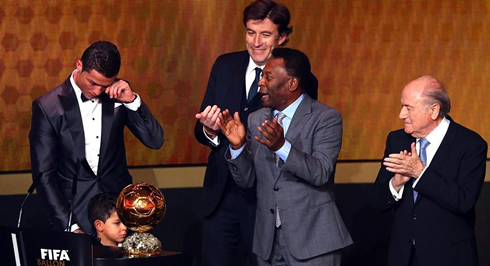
(142, 245)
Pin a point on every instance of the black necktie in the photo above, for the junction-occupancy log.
(255, 85)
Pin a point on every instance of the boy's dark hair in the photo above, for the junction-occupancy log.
(101, 207)
(278, 13)
(102, 57)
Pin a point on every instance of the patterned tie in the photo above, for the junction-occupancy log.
(280, 117)
(255, 85)
(424, 143)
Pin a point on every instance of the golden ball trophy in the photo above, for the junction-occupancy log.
(140, 207)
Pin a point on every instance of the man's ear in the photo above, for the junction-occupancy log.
(435, 109)
(282, 39)
(293, 84)
(79, 65)
(99, 225)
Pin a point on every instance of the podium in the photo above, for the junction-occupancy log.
(110, 256)
(26, 247)
(9, 251)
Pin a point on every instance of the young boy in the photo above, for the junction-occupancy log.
(103, 216)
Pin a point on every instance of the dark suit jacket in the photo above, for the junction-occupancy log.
(302, 187)
(57, 146)
(442, 219)
(226, 89)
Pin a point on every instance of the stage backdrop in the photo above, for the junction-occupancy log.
(363, 53)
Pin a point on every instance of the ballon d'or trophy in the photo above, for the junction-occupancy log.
(140, 207)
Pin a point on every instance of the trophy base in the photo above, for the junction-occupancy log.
(141, 245)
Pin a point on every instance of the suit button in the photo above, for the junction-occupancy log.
(246, 109)
(415, 217)
(276, 189)
(272, 211)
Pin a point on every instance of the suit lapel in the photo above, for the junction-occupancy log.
(444, 150)
(301, 116)
(238, 79)
(269, 155)
(107, 119)
(72, 113)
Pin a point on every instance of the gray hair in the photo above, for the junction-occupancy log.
(435, 92)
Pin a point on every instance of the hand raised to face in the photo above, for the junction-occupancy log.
(121, 91)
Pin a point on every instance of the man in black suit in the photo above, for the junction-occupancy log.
(229, 212)
(431, 176)
(77, 134)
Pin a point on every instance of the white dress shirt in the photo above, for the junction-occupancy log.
(249, 79)
(91, 113)
(435, 138)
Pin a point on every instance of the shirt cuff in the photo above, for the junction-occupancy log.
(74, 227)
(134, 105)
(283, 152)
(396, 195)
(214, 141)
(235, 153)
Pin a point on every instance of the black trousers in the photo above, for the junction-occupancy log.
(228, 231)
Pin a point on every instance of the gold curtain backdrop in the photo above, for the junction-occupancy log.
(363, 53)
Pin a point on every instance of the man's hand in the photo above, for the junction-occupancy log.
(407, 164)
(208, 118)
(121, 91)
(398, 181)
(273, 134)
(232, 128)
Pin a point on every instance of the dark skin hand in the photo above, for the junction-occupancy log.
(273, 135)
(234, 130)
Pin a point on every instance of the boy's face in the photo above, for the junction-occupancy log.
(112, 232)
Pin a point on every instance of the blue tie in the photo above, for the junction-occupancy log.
(423, 143)
(255, 85)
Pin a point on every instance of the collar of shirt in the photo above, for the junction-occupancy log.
(250, 74)
(435, 138)
(78, 91)
(289, 112)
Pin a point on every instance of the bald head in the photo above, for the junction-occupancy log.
(434, 91)
(424, 104)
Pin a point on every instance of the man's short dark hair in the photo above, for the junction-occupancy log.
(102, 57)
(278, 13)
(101, 207)
(297, 65)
